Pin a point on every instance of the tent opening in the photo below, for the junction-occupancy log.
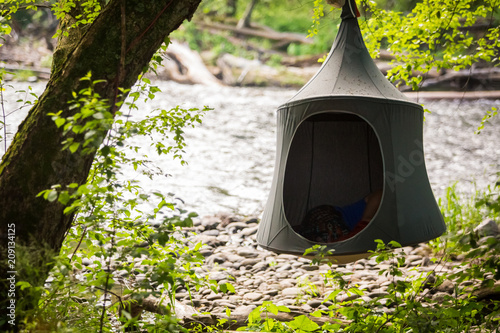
(334, 159)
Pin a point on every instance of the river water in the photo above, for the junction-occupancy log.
(231, 155)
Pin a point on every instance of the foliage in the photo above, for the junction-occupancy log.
(489, 114)
(411, 303)
(119, 251)
(434, 35)
(283, 16)
(462, 215)
(407, 306)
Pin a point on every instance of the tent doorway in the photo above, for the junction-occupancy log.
(334, 159)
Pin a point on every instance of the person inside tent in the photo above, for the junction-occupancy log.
(328, 224)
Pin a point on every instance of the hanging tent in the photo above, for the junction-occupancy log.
(347, 133)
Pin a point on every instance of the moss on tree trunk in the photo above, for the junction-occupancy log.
(115, 51)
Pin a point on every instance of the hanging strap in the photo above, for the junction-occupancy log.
(349, 10)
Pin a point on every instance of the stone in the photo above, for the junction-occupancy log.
(377, 294)
(207, 240)
(426, 261)
(447, 286)
(259, 267)
(215, 259)
(440, 296)
(314, 303)
(234, 258)
(284, 267)
(212, 297)
(244, 310)
(234, 299)
(248, 253)
(249, 231)
(487, 228)
(250, 261)
(272, 292)
(224, 303)
(291, 292)
(181, 295)
(287, 257)
(254, 296)
(211, 232)
(210, 222)
(310, 268)
(347, 298)
(306, 308)
(236, 226)
(217, 276)
(287, 283)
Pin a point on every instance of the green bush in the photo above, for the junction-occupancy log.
(117, 252)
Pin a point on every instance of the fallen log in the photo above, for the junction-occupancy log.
(473, 79)
(183, 65)
(238, 320)
(41, 73)
(287, 37)
(242, 72)
(460, 95)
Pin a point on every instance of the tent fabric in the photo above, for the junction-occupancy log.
(346, 133)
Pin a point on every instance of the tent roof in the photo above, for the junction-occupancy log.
(349, 69)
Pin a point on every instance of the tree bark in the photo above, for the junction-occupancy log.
(116, 48)
(232, 5)
(244, 22)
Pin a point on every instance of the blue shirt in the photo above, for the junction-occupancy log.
(352, 213)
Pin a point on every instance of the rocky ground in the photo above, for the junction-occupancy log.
(233, 256)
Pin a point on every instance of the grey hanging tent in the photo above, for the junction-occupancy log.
(346, 133)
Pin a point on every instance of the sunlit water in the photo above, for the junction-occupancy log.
(231, 155)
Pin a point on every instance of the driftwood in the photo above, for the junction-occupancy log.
(237, 320)
(190, 318)
(242, 72)
(474, 79)
(183, 65)
(244, 22)
(282, 37)
(41, 73)
(487, 293)
(462, 95)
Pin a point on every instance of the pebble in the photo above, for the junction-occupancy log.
(291, 292)
(253, 296)
(233, 256)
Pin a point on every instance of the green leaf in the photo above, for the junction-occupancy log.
(273, 309)
(52, 195)
(317, 313)
(59, 121)
(303, 323)
(74, 147)
(283, 308)
(64, 197)
(23, 285)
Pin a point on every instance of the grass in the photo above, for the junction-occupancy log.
(462, 214)
(24, 75)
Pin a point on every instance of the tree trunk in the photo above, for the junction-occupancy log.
(244, 22)
(232, 5)
(115, 48)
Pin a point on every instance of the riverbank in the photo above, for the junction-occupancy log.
(31, 62)
(233, 257)
(231, 160)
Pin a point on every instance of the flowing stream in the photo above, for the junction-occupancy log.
(231, 155)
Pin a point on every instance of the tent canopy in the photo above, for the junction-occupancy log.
(346, 133)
